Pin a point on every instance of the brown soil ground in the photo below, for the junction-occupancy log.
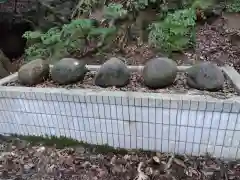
(20, 161)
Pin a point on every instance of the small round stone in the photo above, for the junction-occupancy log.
(205, 76)
(34, 72)
(112, 73)
(68, 70)
(159, 72)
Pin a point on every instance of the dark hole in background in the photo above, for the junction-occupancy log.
(11, 41)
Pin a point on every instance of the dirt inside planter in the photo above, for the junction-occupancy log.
(20, 160)
(217, 42)
(136, 84)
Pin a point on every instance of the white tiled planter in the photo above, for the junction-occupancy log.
(191, 124)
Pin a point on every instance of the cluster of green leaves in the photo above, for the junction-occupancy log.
(114, 11)
(233, 6)
(176, 32)
(140, 4)
(58, 42)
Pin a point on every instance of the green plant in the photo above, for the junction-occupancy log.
(139, 4)
(58, 42)
(115, 11)
(84, 7)
(233, 6)
(176, 32)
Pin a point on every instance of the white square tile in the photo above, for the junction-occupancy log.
(159, 131)
(236, 139)
(126, 115)
(228, 138)
(133, 129)
(224, 121)
(190, 134)
(220, 137)
(159, 115)
(132, 113)
(116, 140)
(164, 146)
(205, 136)
(92, 124)
(213, 137)
(165, 132)
(166, 116)
(183, 134)
(145, 114)
(104, 123)
(126, 128)
(139, 143)
(184, 117)
(145, 130)
(216, 120)
(152, 115)
(200, 119)
(232, 121)
(152, 130)
(173, 116)
(197, 135)
(113, 111)
(208, 119)
(151, 144)
(139, 126)
(127, 142)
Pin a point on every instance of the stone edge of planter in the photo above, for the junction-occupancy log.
(230, 72)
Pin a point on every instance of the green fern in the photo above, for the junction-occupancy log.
(175, 33)
(59, 42)
(114, 11)
(140, 4)
(233, 6)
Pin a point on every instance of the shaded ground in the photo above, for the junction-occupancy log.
(218, 42)
(21, 161)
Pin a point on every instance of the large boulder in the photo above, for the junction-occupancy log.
(34, 72)
(6, 63)
(68, 70)
(112, 73)
(205, 76)
(3, 71)
(159, 72)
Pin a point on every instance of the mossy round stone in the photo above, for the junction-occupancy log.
(33, 72)
(159, 72)
(112, 73)
(68, 70)
(205, 76)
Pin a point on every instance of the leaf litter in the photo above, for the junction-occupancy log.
(20, 160)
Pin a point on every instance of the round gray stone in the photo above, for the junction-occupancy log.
(68, 70)
(34, 72)
(112, 73)
(205, 76)
(159, 72)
